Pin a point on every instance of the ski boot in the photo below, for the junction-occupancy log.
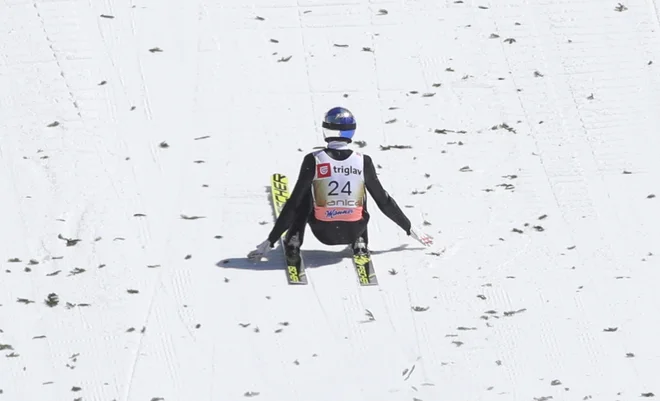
(292, 251)
(360, 247)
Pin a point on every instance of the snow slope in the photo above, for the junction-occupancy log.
(117, 117)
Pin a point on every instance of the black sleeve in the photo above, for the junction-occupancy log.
(385, 202)
(304, 183)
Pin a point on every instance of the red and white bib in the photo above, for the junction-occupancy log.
(338, 187)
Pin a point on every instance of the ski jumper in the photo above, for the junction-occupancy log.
(331, 196)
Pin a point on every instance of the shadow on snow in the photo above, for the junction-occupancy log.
(311, 258)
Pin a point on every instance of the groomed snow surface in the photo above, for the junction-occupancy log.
(137, 139)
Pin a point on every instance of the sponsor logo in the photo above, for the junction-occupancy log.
(346, 170)
(323, 170)
(332, 213)
(343, 203)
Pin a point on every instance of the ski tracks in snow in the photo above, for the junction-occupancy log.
(520, 135)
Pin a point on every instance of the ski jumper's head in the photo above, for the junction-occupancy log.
(339, 125)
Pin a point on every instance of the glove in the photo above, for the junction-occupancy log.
(419, 236)
(261, 251)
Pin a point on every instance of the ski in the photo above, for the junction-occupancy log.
(364, 268)
(280, 192)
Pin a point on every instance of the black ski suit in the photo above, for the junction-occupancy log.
(299, 209)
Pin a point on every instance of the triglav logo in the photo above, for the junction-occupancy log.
(348, 170)
(323, 170)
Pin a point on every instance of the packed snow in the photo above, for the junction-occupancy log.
(137, 140)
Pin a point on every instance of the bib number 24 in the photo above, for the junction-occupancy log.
(334, 185)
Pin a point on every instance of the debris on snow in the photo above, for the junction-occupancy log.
(69, 241)
(52, 300)
(511, 313)
(184, 217)
(388, 147)
(24, 301)
(407, 372)
(76, 271)
(504, 126)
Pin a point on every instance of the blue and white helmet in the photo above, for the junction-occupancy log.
(339, 123)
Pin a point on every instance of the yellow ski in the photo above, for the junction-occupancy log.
(280, 193)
